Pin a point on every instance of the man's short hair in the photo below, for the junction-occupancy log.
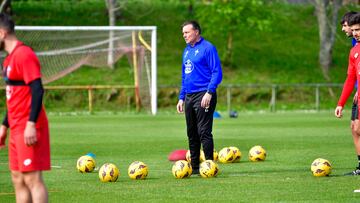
(346, 17)
(194, 23)
(7, 23)
(354, 19)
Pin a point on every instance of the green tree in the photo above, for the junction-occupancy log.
(225, 17)
(5, 6)
(327, 16)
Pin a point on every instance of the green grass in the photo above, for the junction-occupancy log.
(292, 140)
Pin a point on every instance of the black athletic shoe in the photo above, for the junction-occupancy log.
(355, 172)
(196, 172)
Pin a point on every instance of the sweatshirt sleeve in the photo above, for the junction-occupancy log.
(213, 61)
(349, 83)
(182, 89)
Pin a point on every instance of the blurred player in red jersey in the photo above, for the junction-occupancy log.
(353, 75)
(354, 110)
(29, 148)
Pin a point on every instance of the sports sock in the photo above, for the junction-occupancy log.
(359, 161)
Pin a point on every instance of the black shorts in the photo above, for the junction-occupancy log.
(354, 111)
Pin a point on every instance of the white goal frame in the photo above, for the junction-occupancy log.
(153, 29)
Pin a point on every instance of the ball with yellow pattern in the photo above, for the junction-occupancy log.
(85, 164)
(208, 169)
(257, 153)
(109, 173)
(138, 170)
(181, 169)
(321, 167)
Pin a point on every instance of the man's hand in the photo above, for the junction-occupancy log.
(338, 111)
(355, 97)
(3, 135)
(205, 101)
(30, 134)
(180, 106)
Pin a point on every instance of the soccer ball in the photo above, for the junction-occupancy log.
(216, 155)
(237, 154)
(85, 164)
(188, 156)
(138, 170)
(226, 155)
(257, 153)
(182, 169)
(108, 173)
(320, 167)
(208, 169)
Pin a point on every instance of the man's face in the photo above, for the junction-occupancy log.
(356, 31)
(346, 28)
(190, 34)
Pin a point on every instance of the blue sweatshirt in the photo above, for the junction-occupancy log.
(201, 69)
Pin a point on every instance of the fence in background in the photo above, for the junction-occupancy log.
(274, 88)
(227, 94)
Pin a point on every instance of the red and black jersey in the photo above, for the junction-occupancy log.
(21, 65)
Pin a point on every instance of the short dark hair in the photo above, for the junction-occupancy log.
(7, 23)
(194, 23)
(354, 19)
(346, 17)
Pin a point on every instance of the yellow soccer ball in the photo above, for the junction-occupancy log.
(85, 164)
(226, 155)
(138, 170)
(257, 153)
(216, 155)
(108, 173)
(321, 167)
(188, 156)
(208, 169)
(181, 169)
(237, 154)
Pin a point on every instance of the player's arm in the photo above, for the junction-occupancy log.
(214, 64)
(3, 131)
(37, 92)
(180, 104)
(347, 88)
(213, 61)
(30, 68)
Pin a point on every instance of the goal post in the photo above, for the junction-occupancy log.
(64, 49)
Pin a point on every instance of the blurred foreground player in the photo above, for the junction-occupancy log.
(354, 110)
(29, 149)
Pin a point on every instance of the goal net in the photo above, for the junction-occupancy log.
(64, 49)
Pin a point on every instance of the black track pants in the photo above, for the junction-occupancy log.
(199, 122)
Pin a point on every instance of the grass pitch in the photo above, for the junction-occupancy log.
(292, 141)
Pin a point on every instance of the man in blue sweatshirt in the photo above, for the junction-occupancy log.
(201, 75)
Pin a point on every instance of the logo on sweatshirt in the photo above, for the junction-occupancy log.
(196, 52)
(189, 67)
(186, 53)
(356, 55)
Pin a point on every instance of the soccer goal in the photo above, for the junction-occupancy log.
(64, 49)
